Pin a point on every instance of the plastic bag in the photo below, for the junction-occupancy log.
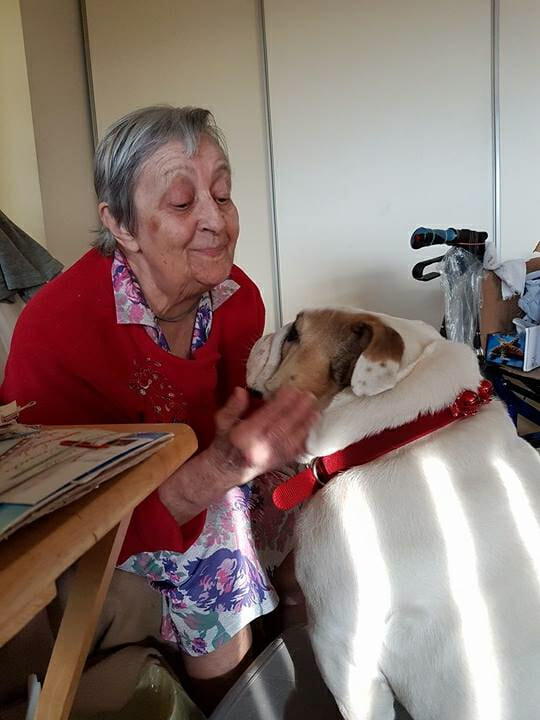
(461, 279)
(158, 696)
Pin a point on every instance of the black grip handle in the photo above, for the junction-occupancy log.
(425, 237)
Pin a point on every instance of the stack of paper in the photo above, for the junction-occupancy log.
(9, 413)
(9, 428)
(44, 470)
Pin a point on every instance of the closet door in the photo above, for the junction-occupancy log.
(520, 126)
(381, 121)
(207, 54)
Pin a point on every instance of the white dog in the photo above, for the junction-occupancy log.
(421, 568)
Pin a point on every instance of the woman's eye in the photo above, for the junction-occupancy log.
(292, 335)
(182, 206)
(222, 200)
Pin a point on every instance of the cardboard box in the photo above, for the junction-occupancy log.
(496, 314)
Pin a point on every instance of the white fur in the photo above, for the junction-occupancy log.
(372, 378)
(421, 569)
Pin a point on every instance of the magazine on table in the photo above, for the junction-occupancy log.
(42, 469)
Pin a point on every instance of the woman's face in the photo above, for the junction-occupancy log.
(186, 222)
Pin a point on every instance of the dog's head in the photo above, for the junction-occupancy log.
(329, 350)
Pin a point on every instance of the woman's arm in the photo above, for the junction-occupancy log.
(243, 449)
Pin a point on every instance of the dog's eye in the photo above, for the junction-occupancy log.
(293, 334)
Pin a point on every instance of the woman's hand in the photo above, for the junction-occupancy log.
(270, 438)
(243, 449)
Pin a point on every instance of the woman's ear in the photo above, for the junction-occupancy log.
(377, 366)
(122, 236)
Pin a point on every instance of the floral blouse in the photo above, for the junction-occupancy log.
(132, 308)
(220, 584)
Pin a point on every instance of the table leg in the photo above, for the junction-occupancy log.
(85, 601)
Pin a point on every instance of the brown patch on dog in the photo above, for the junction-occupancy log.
(322, 353)
(386, 343)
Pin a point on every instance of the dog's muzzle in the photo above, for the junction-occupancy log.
(265, 359)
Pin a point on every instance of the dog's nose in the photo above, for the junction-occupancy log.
(255, 393)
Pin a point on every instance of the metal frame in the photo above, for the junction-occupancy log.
(278, 294)
(496, 121)
(88, 68)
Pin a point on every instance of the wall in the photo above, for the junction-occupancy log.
(20, 196)
(194, 53)
(208, 58)
(381, 122)
(520, 126)
(58, 87)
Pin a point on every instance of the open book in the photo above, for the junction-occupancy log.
(43, 469)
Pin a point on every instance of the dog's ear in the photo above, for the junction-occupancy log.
(370, 358)
(377, 367)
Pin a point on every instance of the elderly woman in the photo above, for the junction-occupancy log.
(155, 324)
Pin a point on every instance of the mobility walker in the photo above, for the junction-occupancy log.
(462, 276)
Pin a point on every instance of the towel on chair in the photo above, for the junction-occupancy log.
(24, 265)
(511, 272)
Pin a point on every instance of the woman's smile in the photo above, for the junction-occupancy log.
(212, 252)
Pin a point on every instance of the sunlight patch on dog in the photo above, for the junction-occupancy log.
(466, 592)
(524, 517)
(364, 547)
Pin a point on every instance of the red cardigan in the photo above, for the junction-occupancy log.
(70, 355)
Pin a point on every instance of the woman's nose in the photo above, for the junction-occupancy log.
(211, 216)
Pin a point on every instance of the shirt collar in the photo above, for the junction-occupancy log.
(131, 305)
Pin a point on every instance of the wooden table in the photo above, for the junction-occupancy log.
(91, 531)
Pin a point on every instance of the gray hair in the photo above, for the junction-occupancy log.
(129, 142)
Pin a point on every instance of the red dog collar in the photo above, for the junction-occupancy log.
(322, 469)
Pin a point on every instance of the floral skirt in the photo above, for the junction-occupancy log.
(221, 583)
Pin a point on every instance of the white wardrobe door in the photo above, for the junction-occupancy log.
(520, 126)
(194, 53)
(381, 122)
